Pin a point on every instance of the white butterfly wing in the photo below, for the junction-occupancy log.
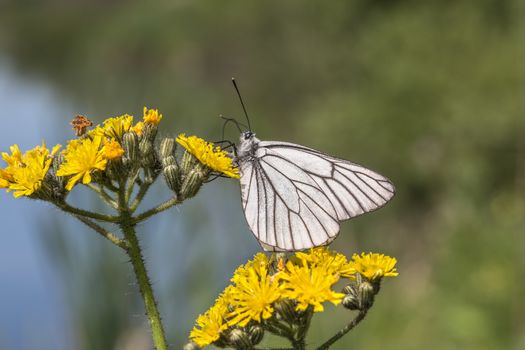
(294, 197)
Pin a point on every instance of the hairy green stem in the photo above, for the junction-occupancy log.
(140, 195)
(104, 195)
(343, 331)
(135, 254)
(105, 233)
(299, 344)
(161, 207)
(130, 185)
(88, 214)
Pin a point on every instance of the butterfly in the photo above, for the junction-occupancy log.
(295, 197)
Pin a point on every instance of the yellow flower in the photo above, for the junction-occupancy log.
(209, 326)
(374, 266)
(25, 173)
(82, 157)
(309, 285)
(254, 292)
(328, 260)
(113, 128)
(112, 150)
(137, 128)
(15, 158)
(4, 183)
(152, 116)
(214, 158)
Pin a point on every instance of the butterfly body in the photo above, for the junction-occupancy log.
(295, 197)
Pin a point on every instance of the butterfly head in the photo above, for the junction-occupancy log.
(247, 145)
(247, 135)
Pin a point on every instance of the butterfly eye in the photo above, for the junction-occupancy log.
(248, 135)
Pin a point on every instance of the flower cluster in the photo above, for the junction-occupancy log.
(112, 152)
(280, 297)
(25, 173)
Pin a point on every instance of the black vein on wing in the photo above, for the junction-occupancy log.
(308, 173)
(249, 187)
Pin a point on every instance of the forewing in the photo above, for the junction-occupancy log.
(351, 188)
(293, 216)
(294, 197)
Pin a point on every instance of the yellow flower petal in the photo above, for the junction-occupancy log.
(112, 150)
(309, 285)
(374, 266)
(82, 157)
(152, 116)
(214, 158)
(138, 128)
(209, 326)
(26, 172)
(253, 294)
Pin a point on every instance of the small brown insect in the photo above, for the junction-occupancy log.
(80, 123)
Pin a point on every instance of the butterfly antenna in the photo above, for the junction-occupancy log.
(242, 103)
(230, 120)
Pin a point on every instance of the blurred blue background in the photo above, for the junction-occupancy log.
(431, 94)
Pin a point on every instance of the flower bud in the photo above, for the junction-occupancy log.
(256, 334)
(350, 290)
(116, 169)
(167, 147)
(169, 161)
(350, 302)
(46, 190)
(285, 308)
(191, 346)
(149, 158)
(366, 295)
(58, 159)
(188, 162)
(130, 143)
(172, 177)
(149, 132)
(192, 183)
(240, 340)
(56, 190)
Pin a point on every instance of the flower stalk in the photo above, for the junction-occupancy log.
(135, 254)
(360, 316)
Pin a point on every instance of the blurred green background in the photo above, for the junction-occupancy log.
(429, 93)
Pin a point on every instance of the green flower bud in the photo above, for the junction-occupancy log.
(366, 295)
(49, 190)
(149, 132)
(167, 147)
(349, 289)
(58, 159)
(351, 302)
(56, 190)
(191, 346)
(240, 340)
(170, 160)
(256, 334)
(188, 162)
(192, 182)
(285, 309)
(147, 151)
(172, 177)
(130, 143)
